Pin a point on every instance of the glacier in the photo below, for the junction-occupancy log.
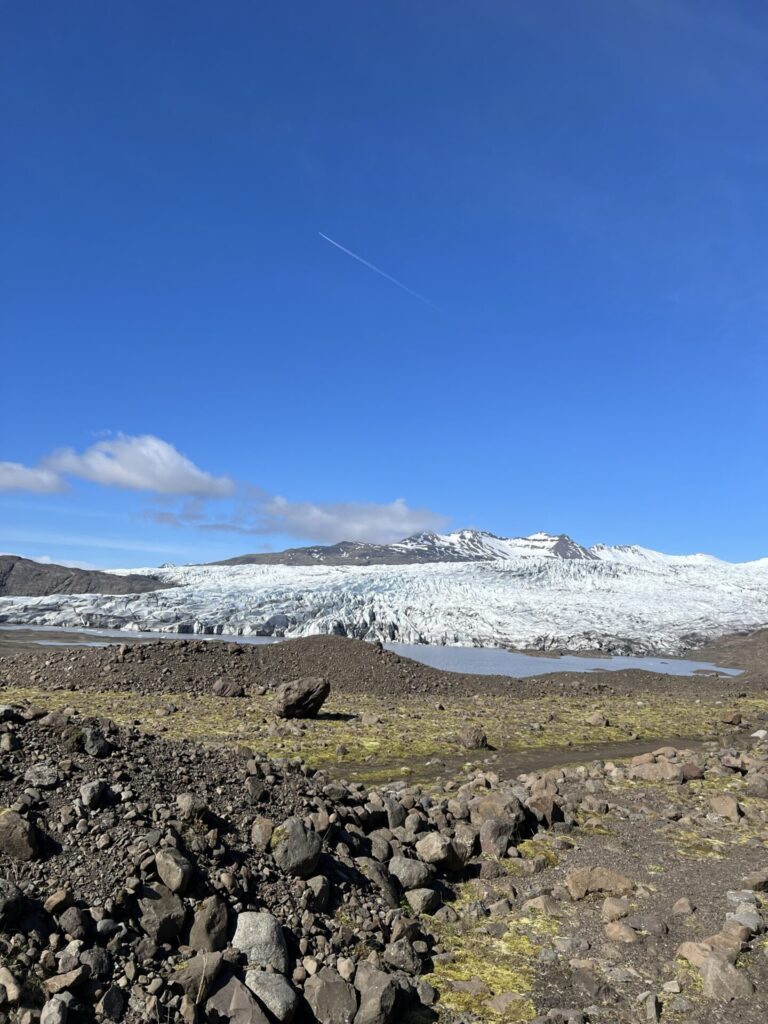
(469, 588)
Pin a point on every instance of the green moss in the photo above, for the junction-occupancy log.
(501, 965)
(698, 846)
(530, 848)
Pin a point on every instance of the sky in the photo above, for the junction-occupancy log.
(277, 274)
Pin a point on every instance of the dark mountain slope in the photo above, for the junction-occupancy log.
(21, 577)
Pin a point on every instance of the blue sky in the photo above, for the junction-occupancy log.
(576, 193)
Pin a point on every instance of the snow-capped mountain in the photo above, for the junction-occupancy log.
(467, 587)
(460, 546)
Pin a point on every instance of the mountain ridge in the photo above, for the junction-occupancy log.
(24, 577)
(466, 545)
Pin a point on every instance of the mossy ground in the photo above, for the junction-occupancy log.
(406, 737)
(493, 965)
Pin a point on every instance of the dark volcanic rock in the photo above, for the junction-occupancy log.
(18, 837)
(295, 850)
(228, 688)
(301, 698)
(331, 999)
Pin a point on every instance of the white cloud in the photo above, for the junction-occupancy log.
(15, 477)
(147, 463)
(143, 463)
(346, 521)
(322, 522)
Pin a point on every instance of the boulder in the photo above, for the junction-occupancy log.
(209, 928)
(495, 836)
(161, 914)
(410, 873)
(260, 936)
(661, 770)
(726, 806)
(423, 901)
(598, 720)
(174, 869)
(295, 850)
(261, 833)
(94, 742)
(41, 776)
(227, 688)
(331, 999)
(235, 1004)
(438, 850)
(112, 1004)
(10, 984)
(617, 931)
(378, 992)
(55, 1011)
(757, 881)
(95, 794)
(275, 993)
(472, 737)
(19, 838)
(723, 981)
(197, 978)
(301, 698)
(583, 881)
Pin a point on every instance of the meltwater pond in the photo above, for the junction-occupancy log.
(494, 661)
(486, 661)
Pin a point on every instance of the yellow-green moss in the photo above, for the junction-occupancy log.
(530, 848)
(502, 965)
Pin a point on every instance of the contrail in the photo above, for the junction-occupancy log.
(383, 273)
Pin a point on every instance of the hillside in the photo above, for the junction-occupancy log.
(22, 577)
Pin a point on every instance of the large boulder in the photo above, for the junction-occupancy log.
(472, 737)
(723, 981)
(209, 929)
(410, 873)
(18, 837)
(583, 881)
(161, 914)
(301, 698)
(661, 770)
(259, 935)
(295, 850)
(198, 976)
(331, 999)
(275, 993)
(233, 1003)
(174, 869)
(378, 992)
(228, 688)
(439, 851)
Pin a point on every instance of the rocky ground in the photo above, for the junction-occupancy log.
(173, 847)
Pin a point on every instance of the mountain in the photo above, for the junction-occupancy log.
(470, 587)
(22, 577)
(461, 546)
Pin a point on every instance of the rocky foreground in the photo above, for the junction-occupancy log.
(148, 879)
